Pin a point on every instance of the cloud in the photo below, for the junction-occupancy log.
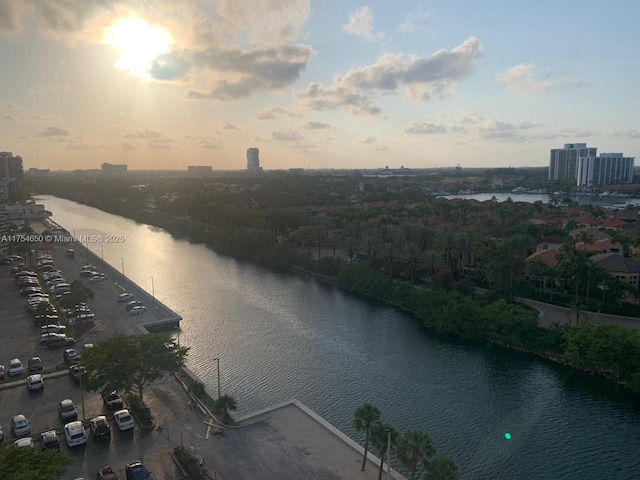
(229, 126)
(206, 142)
(423, 77)
(631, 134)
(271, 113)
(53, 132)
(286, 136)
(422, 127)
(7, 105)
(317, 97)
(362, 24)
(520, 78)
(78, 143)
(9, 117)
(369, 140)
(145, 134)
(438, 71)
(246, 72)
(11, 13)
(413, 22)
(313, 125)
(162, 142)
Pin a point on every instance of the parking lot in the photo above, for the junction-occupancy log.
(20, 340)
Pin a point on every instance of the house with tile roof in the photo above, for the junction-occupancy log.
(623, 268)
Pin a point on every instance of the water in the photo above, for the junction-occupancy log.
(613, 201)
(282, 336)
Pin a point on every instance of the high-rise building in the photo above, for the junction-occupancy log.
(110, 169)
(608, 168)
(563, 162)
(4, 229)
(200, 170)
(253, 160)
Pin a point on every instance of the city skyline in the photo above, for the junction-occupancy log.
(322, 85)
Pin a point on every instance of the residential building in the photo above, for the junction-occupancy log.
(110, 169)
(608, 168)
(253, 160)
(622, 268)
(199, 170)
(563, 162)
(39, 172)
(10, 172)
(4, 229)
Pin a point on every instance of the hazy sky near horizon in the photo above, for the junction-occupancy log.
(320, 84)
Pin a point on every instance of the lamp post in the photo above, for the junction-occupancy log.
(102, 252)
(82, 393)
(218, 360)
(153, 292)
(122, 258)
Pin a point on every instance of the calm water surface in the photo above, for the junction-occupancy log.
(281, 336)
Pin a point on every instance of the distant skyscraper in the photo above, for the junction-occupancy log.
(608, 168)
(563, 162)
(199, 169)
(10, 172)
(253, 160)
(110, 169)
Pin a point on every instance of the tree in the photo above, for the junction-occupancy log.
(413, 447)
(364, 419)
(442, 468)
(80, 293)
(128, 362)
(31, 464)
(380, 440)
(223, 406)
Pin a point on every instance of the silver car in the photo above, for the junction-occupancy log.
(20, 426)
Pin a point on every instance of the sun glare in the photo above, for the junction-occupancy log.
(139, 44)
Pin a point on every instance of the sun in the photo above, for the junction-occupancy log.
(139, 44)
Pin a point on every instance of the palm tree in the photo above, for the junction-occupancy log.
(380, 440)
(442, 468)
(585, 238)
(223, 405)
(364, 419)
(413, 447)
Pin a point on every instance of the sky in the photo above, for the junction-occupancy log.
(164, 84)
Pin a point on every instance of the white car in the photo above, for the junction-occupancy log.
(24, 442)
(125, 297)
(15, 367)
(98, 278)
(74, 434)
(137, 310)
(35, 382)
(123, 420)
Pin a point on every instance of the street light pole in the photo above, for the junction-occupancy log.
(153, 292)
(102, 252)
(82, 393)
(122, 258)
(218, 360)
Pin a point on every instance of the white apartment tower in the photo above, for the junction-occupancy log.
(608, 168)
(563, 163)
(253, 160)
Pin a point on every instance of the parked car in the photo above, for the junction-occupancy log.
(67, 411)
(20, 426)
(61, 341)
(70, 355)
(138, 310)
(123, 420)
(125, 297)
(24, 442)
(98, 278)
(137, 471)
(88, 273)
(74, 434)
(35, 364)
(49, 440)
(112, 401)
(15, 367)
(133, 303)
(74, 372)
(107, 473)
(53, 328)
(100, 429)
(35, 382)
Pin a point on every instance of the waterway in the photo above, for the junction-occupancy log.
(281, 336)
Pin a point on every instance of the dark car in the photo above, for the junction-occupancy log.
(35, 364)
(137, 471)
(70, 355)
(100, 429)
(67, 411)
(49, 440)
(107, 473)
(61, 341)
(75, 372)
(112, 401)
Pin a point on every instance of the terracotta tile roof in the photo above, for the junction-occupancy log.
(548, 256)
(604, 245)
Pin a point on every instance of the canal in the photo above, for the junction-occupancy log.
(281, 336)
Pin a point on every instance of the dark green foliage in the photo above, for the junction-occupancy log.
(189, 464)
(31, 464)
